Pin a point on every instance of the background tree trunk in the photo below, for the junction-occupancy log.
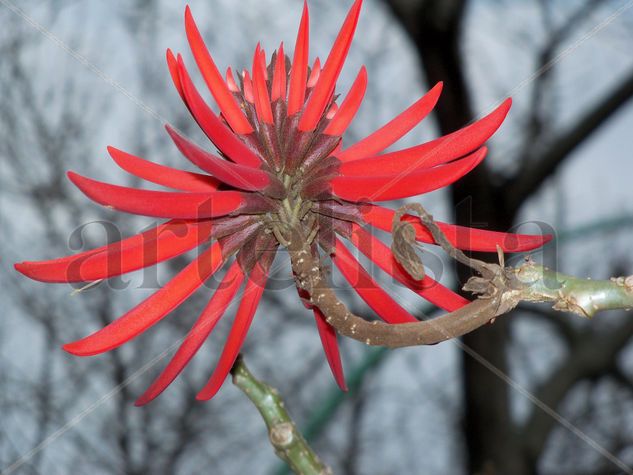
(493, 442)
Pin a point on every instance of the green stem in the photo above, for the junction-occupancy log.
(287, 441)
(584, 297)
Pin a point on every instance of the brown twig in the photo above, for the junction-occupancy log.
(499, 290)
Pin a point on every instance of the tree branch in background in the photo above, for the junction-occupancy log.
(542, 109)
(536, 171)
(435, 29)
(288, 442)
(589, 355)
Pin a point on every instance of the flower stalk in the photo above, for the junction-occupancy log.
(287, 441)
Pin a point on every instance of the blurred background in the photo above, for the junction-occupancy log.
(76, 76)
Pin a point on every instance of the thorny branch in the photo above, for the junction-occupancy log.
(499, 290)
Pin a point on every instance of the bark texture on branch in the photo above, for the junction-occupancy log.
(499, 290)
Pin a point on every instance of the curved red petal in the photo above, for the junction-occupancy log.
(151, 310)
(249, 94)
(433, 153)
(315, 72)
(367, 288)
(163, 204)
(331, 112)
(262, 100)
(349, 107)
(233, 174)
(327, 333)
(394, 129)
(279, 76)
(162, 175)
(136, 252)
(392, 187)
(223, 137)
(470, 239)
(225, 100)
(172, 64)
(327, 79)
(299, 69)
(427, 288)
(263, 66)
(230, 81)
(248, 306)
(200, 331)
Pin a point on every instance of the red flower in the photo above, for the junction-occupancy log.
(281, 161)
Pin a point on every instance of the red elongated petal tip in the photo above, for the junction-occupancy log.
(24, 268)
(299, 70)
(393, 130)
(220, 91)
(279, 76)
(161, 174)
(203, 327)
(172, 65)
(216, 130)
(330, 346)
(151, 310)
(141, 250)
(164, 204)
(390, 187)
(350, 105)
(248, 306)
(262, 100)
(327, 79)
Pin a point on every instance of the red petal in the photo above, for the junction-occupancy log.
(249, 95)
(470, 239)
(172, 64)
(262, 100)
(299, 69)
(239, 176)
(379, 300)
(136, 252)
(230, 81)
(223, 138)
(279, 76)
(163, 204)
(151, 310)
(162, 175)
(427, 288)
(250, 299)
(394, 129)
(200, 331)
(327, 79)
(225, 100)
(330, 346)
(264, 67)
(349, 106)
(331, 112)
(435, 152)
(315, 72)
(393, 187)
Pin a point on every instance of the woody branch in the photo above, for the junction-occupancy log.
(499, 290)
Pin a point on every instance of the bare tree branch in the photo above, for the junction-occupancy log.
(588, 358)
(519, 188)
(541, 109)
